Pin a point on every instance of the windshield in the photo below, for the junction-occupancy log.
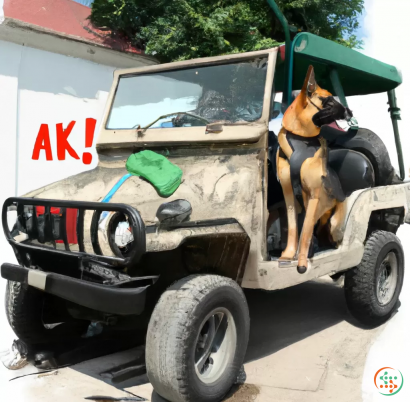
(231, 93)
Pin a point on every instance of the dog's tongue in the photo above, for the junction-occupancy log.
(336, 126)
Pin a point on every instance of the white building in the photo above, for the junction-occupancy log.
(55, 67)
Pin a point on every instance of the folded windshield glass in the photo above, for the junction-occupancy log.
(231, 93)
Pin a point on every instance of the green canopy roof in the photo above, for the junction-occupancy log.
(359, 74)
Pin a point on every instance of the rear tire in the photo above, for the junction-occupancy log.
(372, 289)
(369, 144)
(191, 315)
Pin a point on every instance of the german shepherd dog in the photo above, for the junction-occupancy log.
(302, 123)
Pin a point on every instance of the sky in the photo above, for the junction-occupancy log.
(362, 32)
(383, 24)
(85, 2)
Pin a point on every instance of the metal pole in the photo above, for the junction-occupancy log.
(288, 78)
(395, 116)
(337, 86)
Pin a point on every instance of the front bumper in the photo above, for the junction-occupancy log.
(106, 298)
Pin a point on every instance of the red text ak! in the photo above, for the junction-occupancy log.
(43, 142)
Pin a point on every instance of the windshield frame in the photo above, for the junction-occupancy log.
(241, 131)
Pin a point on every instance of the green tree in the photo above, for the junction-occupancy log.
(185, 29)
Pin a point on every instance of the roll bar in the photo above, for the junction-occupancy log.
(288, 79)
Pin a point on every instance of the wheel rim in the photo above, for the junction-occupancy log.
(215, 346)
(387, 280)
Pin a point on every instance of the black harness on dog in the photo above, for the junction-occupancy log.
(356, 171)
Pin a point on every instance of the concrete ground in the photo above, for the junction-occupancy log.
(304, 346)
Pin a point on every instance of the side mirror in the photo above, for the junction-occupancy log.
(174, 212)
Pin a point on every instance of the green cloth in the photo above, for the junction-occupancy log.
(157, 169)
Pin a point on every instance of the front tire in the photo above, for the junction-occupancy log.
(24, 310)
(372, 289)
(197, 339)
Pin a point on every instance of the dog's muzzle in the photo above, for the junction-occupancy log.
(331, 111)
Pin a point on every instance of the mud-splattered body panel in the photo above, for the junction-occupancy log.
(217, 186)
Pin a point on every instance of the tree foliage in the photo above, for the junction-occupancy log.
(184, 29)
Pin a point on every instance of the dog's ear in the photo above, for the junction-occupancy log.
(298, 117)
(310, 85)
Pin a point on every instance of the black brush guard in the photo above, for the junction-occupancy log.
(49, 227)
(112, 298)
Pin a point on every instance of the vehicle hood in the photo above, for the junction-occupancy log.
(217, 186)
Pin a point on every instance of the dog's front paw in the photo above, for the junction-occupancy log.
(288, 254)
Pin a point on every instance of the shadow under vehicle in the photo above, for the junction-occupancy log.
(104, 247)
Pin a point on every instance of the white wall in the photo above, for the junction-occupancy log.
(38, 87)
(56, 89)
(8, 124)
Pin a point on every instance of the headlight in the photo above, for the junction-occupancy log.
(123, 234)
(120, 237)
(16, 229)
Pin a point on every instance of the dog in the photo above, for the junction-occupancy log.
(318, 187)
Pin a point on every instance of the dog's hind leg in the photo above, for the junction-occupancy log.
(324, 219)
(323, 229)
(285, 180)
(337, 222)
